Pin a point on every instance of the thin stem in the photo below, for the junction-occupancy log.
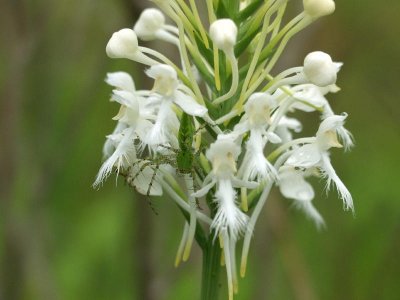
(193, 219)
(182, 202)
(228, 263)
(182, 244)
(254, 218)
(199, 23)
(294, 26)
(216, 68)
(185, 57)
(256, 55)
(235, 79)
(210, 284)
(210, 10)
(167, 61)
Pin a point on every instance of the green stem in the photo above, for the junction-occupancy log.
(210, 284)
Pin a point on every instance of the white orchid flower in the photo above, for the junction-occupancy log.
(223, 154)
(255, 120)
(314, 95)
(168, 91)
(119, 149)
(316, 155)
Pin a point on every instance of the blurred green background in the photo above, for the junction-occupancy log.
(60, 239)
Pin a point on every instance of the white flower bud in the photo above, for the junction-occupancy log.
(150, 21)
(223, 33)
(320, 69)
(318, 8)
(166, 79)
(123, 44)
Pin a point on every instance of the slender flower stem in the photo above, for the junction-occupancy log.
(193, 219)
(254, 218)
(216, 68)
(235, 79)
(199, 23)
(210, 11)
(210, 285)
(182, 202)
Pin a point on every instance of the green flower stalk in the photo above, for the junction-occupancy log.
(216, 130)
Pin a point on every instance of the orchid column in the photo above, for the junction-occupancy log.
(218, 130)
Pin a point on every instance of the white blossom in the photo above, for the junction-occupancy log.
(316, 155)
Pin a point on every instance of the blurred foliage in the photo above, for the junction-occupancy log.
(60, 239)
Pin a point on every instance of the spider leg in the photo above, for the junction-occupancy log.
(195, 187)
(168, 148)
(153, 177)
(150, 203)
(131, 179)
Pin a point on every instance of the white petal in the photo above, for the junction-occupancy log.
(110, 144)
(228, 214)
(255, 164)
(142, 129)
(293, 185)
(125, 98)
(305, 156)
(189, 105)
(346, 137)
(204, 190)
(331, 123)
(123, 156)
(146, 177)
(121, 80)
(310, 94)
(330, 174)
(308, 208)
(165, 79)
(273, 138)
(238, 183)
(165, 129)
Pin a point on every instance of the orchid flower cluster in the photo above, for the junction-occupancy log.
(216, 132)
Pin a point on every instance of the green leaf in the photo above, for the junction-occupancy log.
(206, 53)
(232, 7)
(249, 10)
(242, 45)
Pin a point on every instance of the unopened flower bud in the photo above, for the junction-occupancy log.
(318, 8)
(320, 69)
(223, 33)
(150, 21)
(122, 44)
